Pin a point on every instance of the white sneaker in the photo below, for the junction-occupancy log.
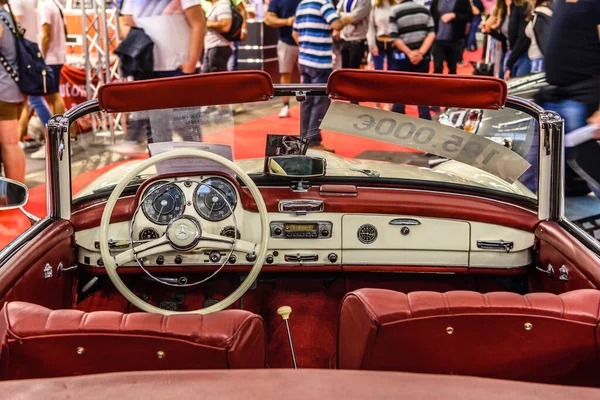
(285, 112)
(39, 154)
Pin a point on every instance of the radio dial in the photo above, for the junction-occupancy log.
(325, 232)
(278, 231)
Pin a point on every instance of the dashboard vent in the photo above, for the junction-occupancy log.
(367, 233)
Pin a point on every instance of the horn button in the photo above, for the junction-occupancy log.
(184, 233)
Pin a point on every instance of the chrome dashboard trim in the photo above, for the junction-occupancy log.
(301, 207)
(405, 221)
(102, 202)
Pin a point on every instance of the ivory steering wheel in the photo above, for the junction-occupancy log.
(203, 240)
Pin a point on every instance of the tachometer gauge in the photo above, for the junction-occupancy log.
(163, 202)
(211, 198)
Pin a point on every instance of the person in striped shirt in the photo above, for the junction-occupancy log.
(314, 23)
(412, 30)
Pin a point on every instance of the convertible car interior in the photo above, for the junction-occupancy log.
(219, 254)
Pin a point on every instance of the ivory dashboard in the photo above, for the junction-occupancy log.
(310, 229)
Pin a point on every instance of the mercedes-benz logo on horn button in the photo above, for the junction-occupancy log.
(184, 233)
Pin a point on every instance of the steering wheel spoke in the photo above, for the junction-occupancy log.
(147, 249)
(217, 242)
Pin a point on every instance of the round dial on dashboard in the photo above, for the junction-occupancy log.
(148, 234)
(211, 198)
(230, 232)
(163, 202)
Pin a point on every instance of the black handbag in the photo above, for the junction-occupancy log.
(32, 75)
(136, 53)
(237, 20)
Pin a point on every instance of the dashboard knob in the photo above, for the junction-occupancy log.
(178, 260)
(269, 259)
(325, 233)
(251, 257)
(160, 260)
(232, 259)
(277, 231)
(214, 256)
(405, 230)
(332, 257)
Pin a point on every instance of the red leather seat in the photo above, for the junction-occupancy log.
(538, 337)
(38, 342)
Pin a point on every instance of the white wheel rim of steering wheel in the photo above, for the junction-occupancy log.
(111, 267)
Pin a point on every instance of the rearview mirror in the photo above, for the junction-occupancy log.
(296, 166)
(13, 194)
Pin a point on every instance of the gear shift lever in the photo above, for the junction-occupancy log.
(285, 312)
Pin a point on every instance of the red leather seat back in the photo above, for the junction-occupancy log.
(38, 342)
(538, 337)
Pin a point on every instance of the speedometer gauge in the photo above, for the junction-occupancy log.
(215, 199)
(163, 202)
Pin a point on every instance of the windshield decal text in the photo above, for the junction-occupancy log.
(426, 136)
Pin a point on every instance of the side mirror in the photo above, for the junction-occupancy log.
(13, 194)
(296, 166)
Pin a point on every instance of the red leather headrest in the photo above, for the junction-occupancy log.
(417, 88)
(186, 91)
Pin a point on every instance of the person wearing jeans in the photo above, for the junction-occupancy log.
(313, 27)
(314, 108)
(53, 44)
(412, 35)
(379, 27)
(478, 9)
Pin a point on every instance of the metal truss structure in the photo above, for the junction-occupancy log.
(101, 36)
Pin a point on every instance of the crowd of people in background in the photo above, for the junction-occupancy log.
(42, 22)
(315, 36)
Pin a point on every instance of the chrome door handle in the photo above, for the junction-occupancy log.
(301, 207)
(495, 245)
(549, 271)
(564, 273)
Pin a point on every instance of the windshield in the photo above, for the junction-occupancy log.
(472, 149)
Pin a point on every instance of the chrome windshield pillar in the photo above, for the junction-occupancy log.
(58, 168)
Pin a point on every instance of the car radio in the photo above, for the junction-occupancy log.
(301, 230)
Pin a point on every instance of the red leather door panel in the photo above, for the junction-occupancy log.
(22, 277)
(558, 248)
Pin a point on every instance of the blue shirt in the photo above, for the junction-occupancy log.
(284, 9)
(313, 24)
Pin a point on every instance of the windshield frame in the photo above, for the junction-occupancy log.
(59, 128)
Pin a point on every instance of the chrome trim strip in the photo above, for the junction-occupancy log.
(581, 235)
(405, 221)
(99, 204)
(556, 127)
(300, 206)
